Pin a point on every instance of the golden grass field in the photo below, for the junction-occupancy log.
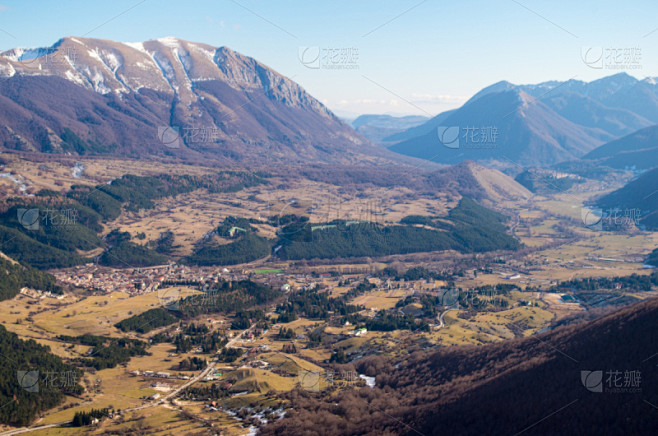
(380, 300)
(491, 326)
(58, 175)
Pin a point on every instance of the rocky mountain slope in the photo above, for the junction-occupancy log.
(165, 97)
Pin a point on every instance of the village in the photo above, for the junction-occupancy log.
(139, 281)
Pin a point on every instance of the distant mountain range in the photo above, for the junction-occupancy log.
(165, 97)
(378, 127)
(170, 97)
(537, 125)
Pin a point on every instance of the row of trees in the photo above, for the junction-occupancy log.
(107, 352)
(81, 419)
(632, 283)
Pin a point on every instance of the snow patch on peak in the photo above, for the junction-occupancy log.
(75, 78)
(7, 70)
(107, 58)
(13, 55)
(208, 54)
(139, 46)
(170, 41)
(95, 55)
(112, 60)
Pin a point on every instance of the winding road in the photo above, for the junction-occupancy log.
(440, 317)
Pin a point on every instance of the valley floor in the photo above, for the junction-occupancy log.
(500, 296)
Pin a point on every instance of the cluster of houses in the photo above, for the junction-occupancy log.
(36, 294)
(136, 281)
(92, 277)
(158, 374)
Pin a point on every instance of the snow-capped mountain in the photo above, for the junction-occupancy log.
(95, 96)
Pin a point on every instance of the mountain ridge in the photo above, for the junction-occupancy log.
(563, 120)
(638, 150)
(118, 98)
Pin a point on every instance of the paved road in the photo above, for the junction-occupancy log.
(441, 323)
(27, 429)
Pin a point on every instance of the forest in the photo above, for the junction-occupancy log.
(468, 228)
(32, 379)
(631, 283)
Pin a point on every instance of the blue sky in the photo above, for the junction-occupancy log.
(405, 56)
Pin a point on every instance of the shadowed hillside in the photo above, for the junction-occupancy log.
(525, 386)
